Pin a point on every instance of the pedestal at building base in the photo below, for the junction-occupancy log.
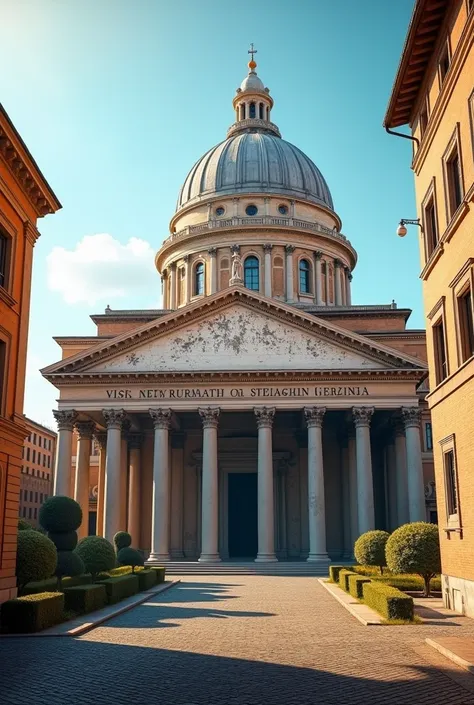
(318, 558)
(158, 558)
(212, 558)
(264, 558)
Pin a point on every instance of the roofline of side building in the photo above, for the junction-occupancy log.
(44, 429)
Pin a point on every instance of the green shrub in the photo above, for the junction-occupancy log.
(388, 601)
(334, 571)
(122, 539)
(414, 548)
(160, 573)
(344, 578)
(59, 514)
(369, 549)
(146, 579)
(85, 598)
(64, 540)
(32, 613)
(24, 525)
(356, 583)
(69, 565)
(131, 557)
(36, 557)
(119, 588)
(97, 555)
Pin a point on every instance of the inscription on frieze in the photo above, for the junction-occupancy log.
(237, 392)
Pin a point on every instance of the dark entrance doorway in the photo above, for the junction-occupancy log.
(242, 514)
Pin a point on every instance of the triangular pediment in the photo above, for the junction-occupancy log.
(234, 331)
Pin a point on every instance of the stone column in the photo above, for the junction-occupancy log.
(209, 211)
(267, 206)
(84, 430)
(187, 282)
(391, 484)
(318, 282)
(416, 488)
(164, 281)
(101, 441)
(266, 521)
(160, 520)
(210, 492)
(352, 456)
(173, 285)
(124, 474)
(235, 202)
(134, 488)
(114, 419)
(290, 290)
(316, 507)
(365, 488)
(267, 248)
(337, 282)
(212, 251)
(62, 470)
(292, 208)
(346, 500)
(401, 471)
(347, 280)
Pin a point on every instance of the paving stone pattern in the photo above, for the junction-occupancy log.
(237, 639)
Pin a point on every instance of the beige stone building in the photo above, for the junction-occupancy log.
(37, 469)
(434, 94)
(259, 414)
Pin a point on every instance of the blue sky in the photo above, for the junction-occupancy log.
(116, 99)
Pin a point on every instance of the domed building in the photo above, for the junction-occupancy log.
(260, 414)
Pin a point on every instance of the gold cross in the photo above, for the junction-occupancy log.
(252, 51)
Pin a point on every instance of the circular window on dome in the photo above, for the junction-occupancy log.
(283, 209)
(220, 210)
(251, 209)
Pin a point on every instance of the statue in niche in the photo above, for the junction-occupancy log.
(237, 271)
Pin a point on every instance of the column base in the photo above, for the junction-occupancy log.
(318, 558)
(209, 558)
(266, 558)
(158, 557)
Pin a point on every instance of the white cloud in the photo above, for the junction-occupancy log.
(100, 268)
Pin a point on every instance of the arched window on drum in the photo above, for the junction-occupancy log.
(252, 273)
(199, 279)
(305, 276)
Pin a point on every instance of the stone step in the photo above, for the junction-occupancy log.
(289, 568)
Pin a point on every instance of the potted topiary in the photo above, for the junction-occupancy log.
(97, 554)
(61, 516)
(369, 549)
(36, 558)
(130, 556)
(414, 548)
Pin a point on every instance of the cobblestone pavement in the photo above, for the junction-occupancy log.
(237, 639)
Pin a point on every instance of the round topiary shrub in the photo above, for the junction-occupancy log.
(24, 525)
(414, 548)
(97, 554)
(36, 557)
(64, 541)
(122, 539)
(130, 556)
(59, 514)
(369, 549)
(69, 565)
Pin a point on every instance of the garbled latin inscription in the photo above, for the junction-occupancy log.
(236, 392)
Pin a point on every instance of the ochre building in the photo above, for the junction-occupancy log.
(259, 414)
(37, 470)
(434, 95)
(25, 196)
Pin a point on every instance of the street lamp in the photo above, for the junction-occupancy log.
(402, 231)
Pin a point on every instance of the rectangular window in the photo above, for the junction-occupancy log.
(27, 453)
(428, 436)
(455, 190)
(450, 483)
(441, 361)
(31, 495)
(25, 495)
(24, 512)
(36, 513)
(466, 324)
(39, 458)
(29, 512)
(34, 438)
(444, 64)
(36, 498)
(4, 257)
(49, 462)
(431, 227)
(34, 456)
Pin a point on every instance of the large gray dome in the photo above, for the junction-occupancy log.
(255, 162)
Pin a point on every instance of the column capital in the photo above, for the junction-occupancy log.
(161, 418)
(135, 440)
(186, 258)
(350, 277)
(212, 251)
(235, 249)
(264, 415)
(65, 418)
(173, 266)
(411, 416)
(362, 415)
(266, 199)
(314, 416)
(337, 263)
(114, 417)
(267, 247)
(100, 439)
(318, 254)
(164, 276)
(84, 429)
(209, 416)
(289, 249)
(397, 426)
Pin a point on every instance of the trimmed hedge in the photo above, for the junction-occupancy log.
(344, 578)
(122, 539)
(32, 613)
(36, 557)
(369, 549)
(59, 513)
(334, 571)
(404, 581)
(160, 573)
(64, 540)
(388, 601)
(146, 579)
(119, 588)
(85, 598)
(97, 554)
(356, 583)
(130, 556)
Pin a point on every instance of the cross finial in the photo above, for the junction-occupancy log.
(252, 51)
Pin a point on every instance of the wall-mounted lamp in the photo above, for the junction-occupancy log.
(402, 231)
